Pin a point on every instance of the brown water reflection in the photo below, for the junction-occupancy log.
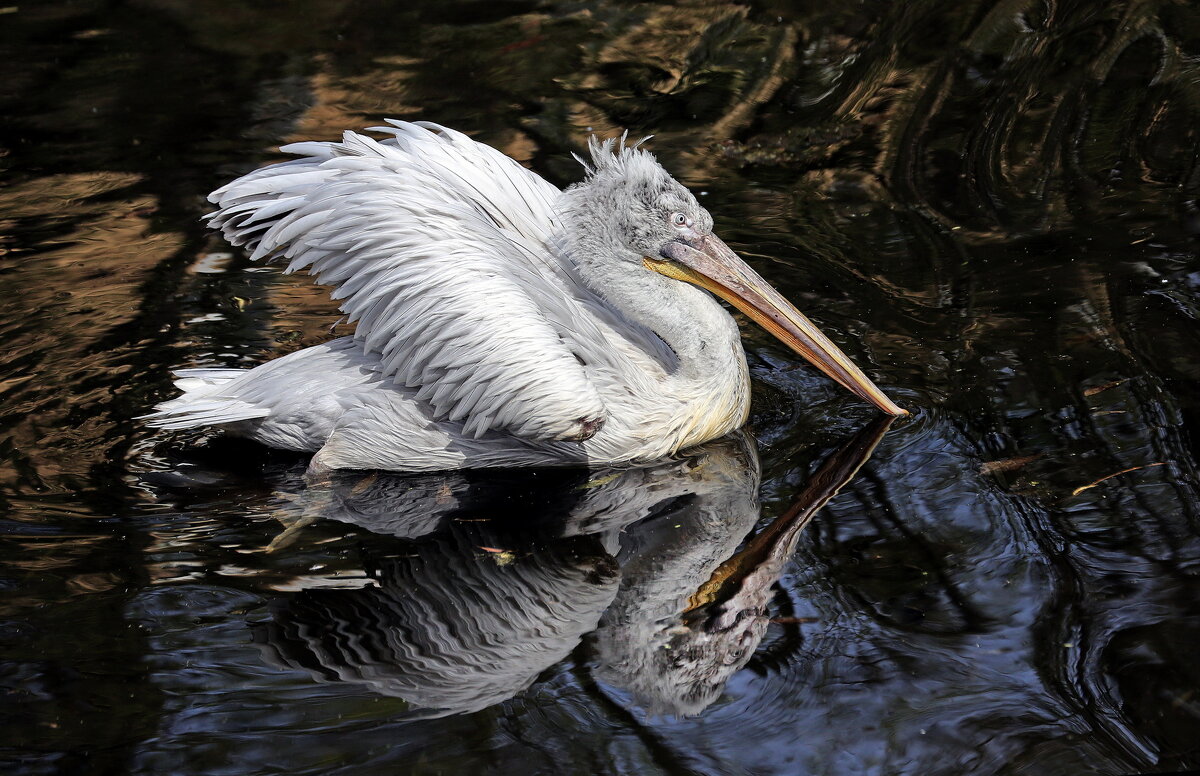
(991, 205)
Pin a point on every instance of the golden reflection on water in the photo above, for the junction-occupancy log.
(64, 294)
(991, 204)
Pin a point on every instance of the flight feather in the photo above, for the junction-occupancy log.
(440, 249)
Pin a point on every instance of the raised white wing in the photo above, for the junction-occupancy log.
(438, 247)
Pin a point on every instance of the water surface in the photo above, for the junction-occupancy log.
(991, 206)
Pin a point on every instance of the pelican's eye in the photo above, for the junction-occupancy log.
(679, 219)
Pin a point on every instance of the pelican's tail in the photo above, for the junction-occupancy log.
(202, 402)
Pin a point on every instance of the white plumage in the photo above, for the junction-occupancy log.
(500, 322)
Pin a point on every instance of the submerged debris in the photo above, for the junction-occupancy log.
(1007, 464)
(1081, 489)
(502, 557)
(1095, 389)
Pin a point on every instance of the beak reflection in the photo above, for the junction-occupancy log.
(709, 263)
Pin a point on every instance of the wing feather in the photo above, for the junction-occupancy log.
(439, 248)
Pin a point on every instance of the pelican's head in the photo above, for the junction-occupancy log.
(630, 210)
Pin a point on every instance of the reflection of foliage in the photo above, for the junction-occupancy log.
(677, 65)
(991, 203)
(1025, 116)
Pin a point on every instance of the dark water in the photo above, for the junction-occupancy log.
(991, 206)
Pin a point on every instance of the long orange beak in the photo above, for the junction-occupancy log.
(709, 263)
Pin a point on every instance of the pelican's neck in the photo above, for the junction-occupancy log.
(692, 323)
(689, 320)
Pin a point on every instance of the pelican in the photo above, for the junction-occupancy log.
(501, 322)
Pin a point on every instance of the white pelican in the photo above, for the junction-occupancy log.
(501, 322)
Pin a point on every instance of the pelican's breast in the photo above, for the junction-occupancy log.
(718, 407)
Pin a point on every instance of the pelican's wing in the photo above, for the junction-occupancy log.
(438, 247)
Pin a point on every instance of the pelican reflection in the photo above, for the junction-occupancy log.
(652, 565)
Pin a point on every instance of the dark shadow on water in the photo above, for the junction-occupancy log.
(991, 206)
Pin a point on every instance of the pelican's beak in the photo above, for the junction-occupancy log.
(709, 263)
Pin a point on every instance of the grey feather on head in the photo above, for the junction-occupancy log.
(625, 203)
